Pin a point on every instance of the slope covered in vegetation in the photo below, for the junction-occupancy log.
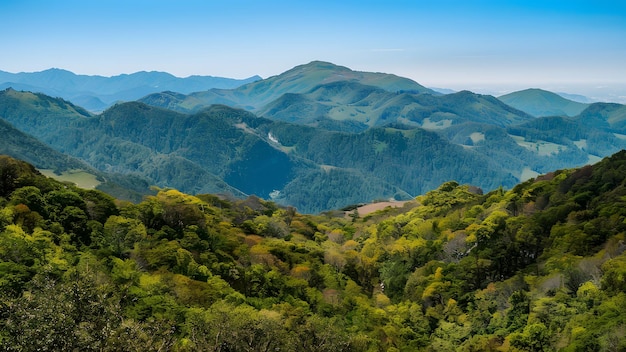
(538, 267)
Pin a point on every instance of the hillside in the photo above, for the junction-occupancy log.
(327, 165)
(538, 267)
(224, 150)
(63, 167)
(96, 93)
(354, 104)
(538, 102)
(606, 116)
(300, 79)
(24, 147)
(215, 151)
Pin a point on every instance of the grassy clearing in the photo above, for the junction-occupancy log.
(527, 174)
(80, 178)
(542, 148)
(435, 125)
(477, 137)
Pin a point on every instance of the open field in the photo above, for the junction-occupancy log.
(80, 178)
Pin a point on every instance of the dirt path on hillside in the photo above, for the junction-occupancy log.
(372, 207)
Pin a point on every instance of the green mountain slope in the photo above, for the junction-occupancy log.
(367, 106)
(224, 150)
(607, 116)
(538, 102)
(414, 159)
(215, 151)
(17, 144)
(570, 132)
(299, 79)
(539, 267)
(331, 163)
(24, 147)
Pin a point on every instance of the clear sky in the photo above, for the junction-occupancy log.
(442, 43)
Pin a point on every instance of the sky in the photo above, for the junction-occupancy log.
(485, 46)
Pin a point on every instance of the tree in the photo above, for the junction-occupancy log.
(120, 234)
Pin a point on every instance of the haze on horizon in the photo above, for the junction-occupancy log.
(486, 46)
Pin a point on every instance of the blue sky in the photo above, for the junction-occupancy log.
(444, 43)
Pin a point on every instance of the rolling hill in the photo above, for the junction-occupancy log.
(538, 102)
(226, 150)
(363, 106)
(607, 116)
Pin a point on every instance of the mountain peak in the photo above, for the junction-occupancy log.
(539, 102)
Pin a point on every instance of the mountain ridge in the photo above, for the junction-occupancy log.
(300, 79)
(108, 90)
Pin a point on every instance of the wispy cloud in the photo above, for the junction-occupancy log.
(387, 50)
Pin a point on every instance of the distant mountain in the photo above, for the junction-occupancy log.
(538, 102)
(25, 109)
(576, 97)
(300, 79)
(443, 90)
(95, 93)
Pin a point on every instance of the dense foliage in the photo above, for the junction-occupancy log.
(540, 267)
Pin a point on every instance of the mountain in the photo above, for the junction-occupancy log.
(95, 93)
(557, 133)
(335, 143)
(300, 79)
(22, 146)
(577, 98)
(219, 150)
(607, 116)
(538, 102)
(25, 110)
(226, 150)
(366, 106)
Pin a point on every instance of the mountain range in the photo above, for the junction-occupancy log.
(96, 93)
(300, 79)
(321, 137)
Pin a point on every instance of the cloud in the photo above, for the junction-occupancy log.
(387, 50)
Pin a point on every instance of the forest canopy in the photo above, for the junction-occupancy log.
(540, 267)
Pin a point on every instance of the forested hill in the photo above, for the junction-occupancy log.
(538, 102)
(225, 150)
(540, 267)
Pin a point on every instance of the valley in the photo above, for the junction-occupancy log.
(320, 136)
